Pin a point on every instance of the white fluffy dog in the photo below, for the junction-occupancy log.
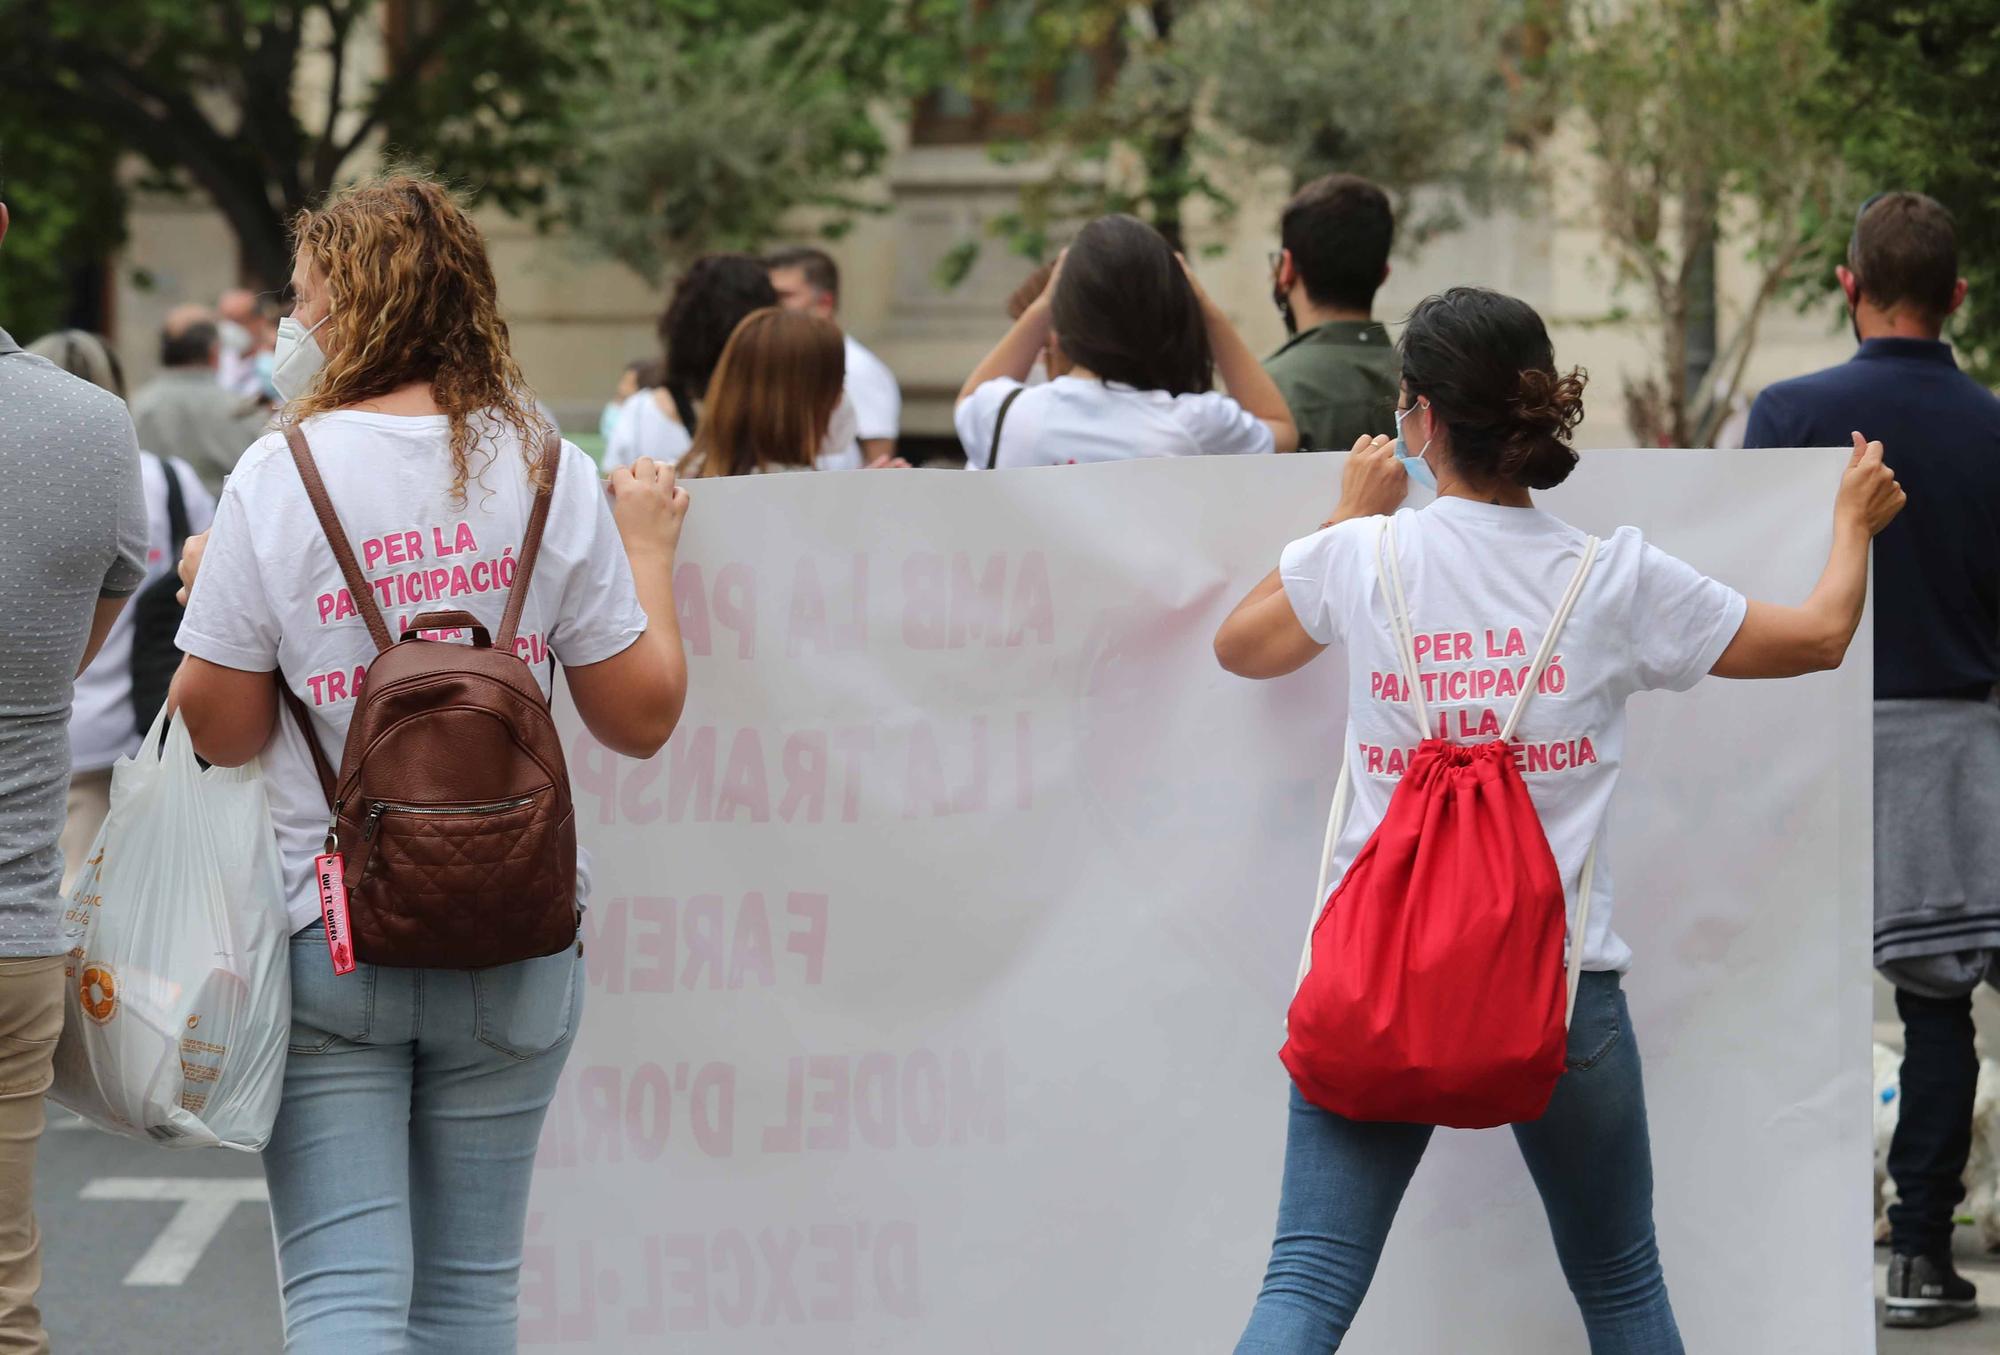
(1982, 1170)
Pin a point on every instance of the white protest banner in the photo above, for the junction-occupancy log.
(937, 968)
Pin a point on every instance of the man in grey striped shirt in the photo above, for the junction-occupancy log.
(73, 546)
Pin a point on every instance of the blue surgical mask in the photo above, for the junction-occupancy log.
(609, 419)
(264, 364)
(1418, 469)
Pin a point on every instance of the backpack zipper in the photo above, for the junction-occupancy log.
(381, 807)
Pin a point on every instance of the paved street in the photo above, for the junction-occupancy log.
(187, 1271)
(152, 1251)
(1966, 1338)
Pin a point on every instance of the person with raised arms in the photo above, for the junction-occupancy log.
(1485, 415)
(1143, 343)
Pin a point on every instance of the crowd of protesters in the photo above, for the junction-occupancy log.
(1114, 352)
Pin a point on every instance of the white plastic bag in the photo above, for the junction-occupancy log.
(178, 1005)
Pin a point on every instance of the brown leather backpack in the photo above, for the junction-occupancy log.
(452, 807)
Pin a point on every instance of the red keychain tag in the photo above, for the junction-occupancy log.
(331, 872)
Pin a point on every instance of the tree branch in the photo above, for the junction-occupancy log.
(324, 165)
(191, 144)
(403, 76)
(1716, 408)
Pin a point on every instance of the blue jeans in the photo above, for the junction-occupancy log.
(400, 1162)
(1590, 1158)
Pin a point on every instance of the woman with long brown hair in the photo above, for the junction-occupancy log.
(414, 1097)
(772, 398)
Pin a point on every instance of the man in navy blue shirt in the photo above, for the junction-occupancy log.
(1937, 728)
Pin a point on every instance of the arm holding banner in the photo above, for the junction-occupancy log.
(1263, 637)
(1249, 384)
(1014, 356)
(631, 701)
(1778, 642)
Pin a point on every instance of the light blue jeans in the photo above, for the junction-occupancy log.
(1591, 1160)
(400, 1162)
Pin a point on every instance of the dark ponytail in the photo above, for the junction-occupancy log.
(1485, 363)
(709, 301)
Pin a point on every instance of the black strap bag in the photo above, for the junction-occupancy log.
(156, 616)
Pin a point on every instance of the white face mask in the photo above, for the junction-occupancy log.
(296, 362)
(235, 338)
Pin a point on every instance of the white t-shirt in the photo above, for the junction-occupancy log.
(1483, 583)
(1078, 419)
(270, 595)
(100, 721)
(872, 388)
(644, 429)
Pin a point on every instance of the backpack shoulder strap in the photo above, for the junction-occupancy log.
(303, 718)
(1579, 931)
(1000, 422)
(1579, 935)
(329, 524)
(1343, 800)
(1548, 649)
(1390, 578)
(531, 546)
(1391, 581)
(178, 527)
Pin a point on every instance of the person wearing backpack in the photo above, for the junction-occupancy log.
(411, 555)
(1451, 617)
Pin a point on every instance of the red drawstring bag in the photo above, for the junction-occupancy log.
(1432, 988)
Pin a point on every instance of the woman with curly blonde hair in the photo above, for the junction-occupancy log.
(414, 1098)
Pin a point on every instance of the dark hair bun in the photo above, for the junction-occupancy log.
(1537, 452)
(1485, 363)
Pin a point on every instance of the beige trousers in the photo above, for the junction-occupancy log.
(31, 1017)
(89, 802)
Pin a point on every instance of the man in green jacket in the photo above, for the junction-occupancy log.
(1338, 370)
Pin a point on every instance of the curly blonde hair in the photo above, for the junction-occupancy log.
(411, 298)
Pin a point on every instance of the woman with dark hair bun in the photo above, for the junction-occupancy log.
(1509, 412)
(1477, 576)
(1142, 342)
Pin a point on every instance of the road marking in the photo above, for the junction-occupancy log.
(206, 1203)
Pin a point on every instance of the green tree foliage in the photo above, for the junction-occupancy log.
(1112, 97)
(1431, 96)
(657, 128)
(1434, 96)
(263, 105)
(710, 121)
(67, 217)
(1918, 107)
(1702, 120)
